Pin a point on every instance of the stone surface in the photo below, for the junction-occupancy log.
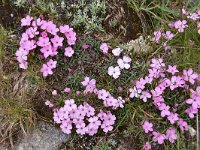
(43, 137)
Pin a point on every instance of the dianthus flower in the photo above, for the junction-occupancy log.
(147, 127)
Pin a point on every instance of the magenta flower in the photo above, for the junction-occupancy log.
(147, 146)
(194, 102)
(173, 117)
(183, 125)
(189, 75)
(191, 112)
(164, 110)
(172, 69)
(157, 137)
(147, 127)
(171, 135)
(26, 21)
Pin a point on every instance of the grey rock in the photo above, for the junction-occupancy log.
(43, 137)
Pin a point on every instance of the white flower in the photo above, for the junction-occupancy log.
(117, 51)
(114, 71)
(124, 63)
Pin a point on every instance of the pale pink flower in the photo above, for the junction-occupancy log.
(57, 41)
(26, 21)
(147, 126)
(104, 48)
(69, 51)
(147, 146)
(117, 51)
(144, 95)
(157, 36)
(114, 72)
(124, 63)
(189, 75)
(172, 69)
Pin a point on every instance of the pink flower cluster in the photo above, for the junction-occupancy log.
(179, 25)
(46, 37)
(167, 79)
(160, 137)
(102, 94)
(83, 118)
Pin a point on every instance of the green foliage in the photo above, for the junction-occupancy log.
(89, 16)
(3, 39)
(103, 146)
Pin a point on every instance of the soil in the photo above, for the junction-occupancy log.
(121, 21)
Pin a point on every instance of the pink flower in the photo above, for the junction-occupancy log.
(57, 41)
(71, 37)
(172, 69)
(85, 46)
(48, 103)
(157, 137)
(51, 64)
(173, 117)
(147, 127)
(144, 95)
(164, 110)
(189, 76)
(51, 28)
(81, 128)
(183, 125)
(104, 48)
(114, 72)
(66, 128)
(124, 63)
(157, 36)
(140, 84)
(191, 112)
(180, 25)
(65, 29)
(168, 35)
(21, 55)
(26, 21)
(94, 122)
(147, 146)
(171, 135)
(69, 51)
(193, 16)
(157, 63)
(117, 51)
(67, 90)
(46, 50)
(43, 41)
(195, 103)
(134, 92)
(70, 105)
(46, 70)
(156, 92)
